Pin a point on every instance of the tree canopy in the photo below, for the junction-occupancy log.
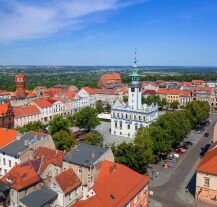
(59, 123)
(86, 118)
(94, 138)
(32, 126)
(63, 140)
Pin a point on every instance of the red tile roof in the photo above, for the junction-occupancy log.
(197, 81)
(115, 180)
(25, 111)
(109, 78)
(6, 136)
(89, 90)
(21, 176)
(3, 108)
(49, 156)
(106, 91)
(208, 164)
(173, 92)
(151, 92)
(42, 103)
(68, 181)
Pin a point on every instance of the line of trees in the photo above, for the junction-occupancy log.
(160, 137)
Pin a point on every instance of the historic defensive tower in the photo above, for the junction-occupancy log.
(20, 80)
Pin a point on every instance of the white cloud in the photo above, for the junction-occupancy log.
(30, 19)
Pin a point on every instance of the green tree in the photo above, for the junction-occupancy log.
(174, 105)
(59, 123)
(63, 140)
(108, 108)
(125, 98)
(86, 118)
(197, 111)
(99, 107)
(32, 126)
(94, 138)
(132, 156)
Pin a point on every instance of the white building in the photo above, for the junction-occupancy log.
(85, 97)
(25, 115)
(126, 119)
(45, 108)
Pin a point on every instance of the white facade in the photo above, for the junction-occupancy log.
(7, 162)
(83, 99)
(127, 119)
(57, 108)
(21, 121)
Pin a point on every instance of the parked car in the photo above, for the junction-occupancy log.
(180, 151)
(188, 143)
(206, 134)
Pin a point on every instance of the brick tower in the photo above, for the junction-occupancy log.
(20, 80)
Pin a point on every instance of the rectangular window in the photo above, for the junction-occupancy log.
(9, 163)
(116, 125)
(206, 182)
(4, 161)
(79, 170)
(128, 126)
(136, 127)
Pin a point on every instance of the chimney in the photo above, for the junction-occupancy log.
(93, 155)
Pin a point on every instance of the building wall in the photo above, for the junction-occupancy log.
(126, 123)
(7, 162)
(85, 174)
(65, 200)
(140, 199)
(204, 191)
(21, 121)
(15, 195)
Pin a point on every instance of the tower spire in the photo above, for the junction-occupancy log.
(134, 75)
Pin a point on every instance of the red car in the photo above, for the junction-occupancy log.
(180, 151)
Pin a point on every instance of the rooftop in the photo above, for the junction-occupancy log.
(49, 156)
(85, 155)
(68, 181)
(6, 136)
(25, 111)
(115, 186)
(39, 198)
(208, 164)
(20, 144)
(42, 103)
(23, 175)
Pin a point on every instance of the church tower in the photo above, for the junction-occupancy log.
(20, 81)
(135, 89)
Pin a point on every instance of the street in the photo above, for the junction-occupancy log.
(167, 193)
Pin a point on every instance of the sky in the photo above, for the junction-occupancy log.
(106, 32)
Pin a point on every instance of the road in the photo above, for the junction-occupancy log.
(167, 194)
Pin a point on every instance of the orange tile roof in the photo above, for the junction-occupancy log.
(42, 103)
(6, 136)
(208, 164)
(25, 111)
(115, 180)
(4, 93)
(68, 181)
(106, 91)
(173, 92)
(3, 108)
(111, 76)
(31, 94)
(49, 156)
(197, 81)
(89, 90)
(21, 176)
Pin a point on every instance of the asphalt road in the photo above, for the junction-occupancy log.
(167, 194)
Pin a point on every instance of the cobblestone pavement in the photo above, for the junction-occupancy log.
(169, 186)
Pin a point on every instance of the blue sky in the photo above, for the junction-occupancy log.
(105, 32)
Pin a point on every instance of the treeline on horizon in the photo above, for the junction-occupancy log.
(90, 79)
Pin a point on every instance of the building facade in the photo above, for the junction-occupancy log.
(126, 119)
